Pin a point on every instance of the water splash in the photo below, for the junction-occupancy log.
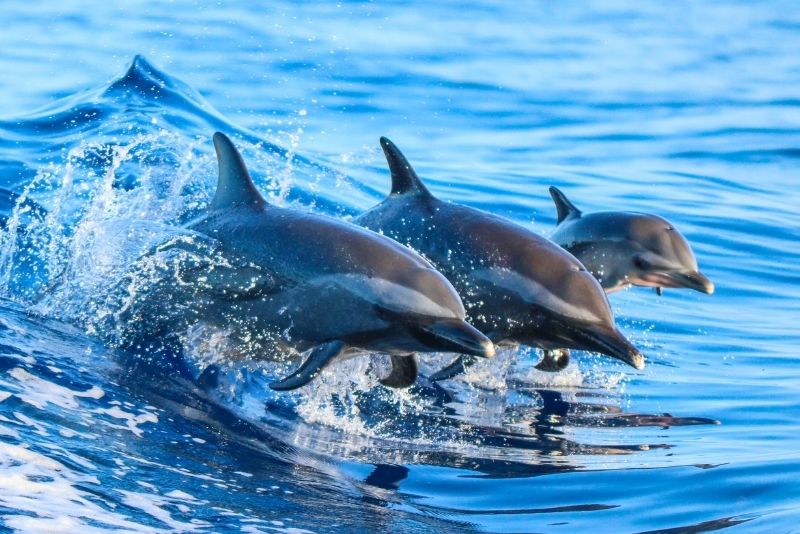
(121, 169)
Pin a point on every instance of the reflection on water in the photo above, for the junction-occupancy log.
(529, 432)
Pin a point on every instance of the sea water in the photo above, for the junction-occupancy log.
(688, 110)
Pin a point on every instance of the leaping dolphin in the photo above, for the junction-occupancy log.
(625, 248)
(517, 286)
(284, 280)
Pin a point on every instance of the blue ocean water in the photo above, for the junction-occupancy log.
(688, 110)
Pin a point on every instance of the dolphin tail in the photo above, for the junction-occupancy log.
(404, 178)
(458, 366)
(565, 208)
(404, 371)
(319, 358)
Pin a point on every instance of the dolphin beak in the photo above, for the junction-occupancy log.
(694, 280)
(612, 343)
(679, 279)
(453, 335)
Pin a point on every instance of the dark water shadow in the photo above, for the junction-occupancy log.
(705, 526)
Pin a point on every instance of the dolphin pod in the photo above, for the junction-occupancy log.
(285, 281)
(295, 281)
(517, 286)
(625, 248)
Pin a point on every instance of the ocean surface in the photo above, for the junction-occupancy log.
(688, 110)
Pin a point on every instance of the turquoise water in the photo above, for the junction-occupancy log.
(686, 110)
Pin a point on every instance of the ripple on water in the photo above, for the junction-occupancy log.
(609, 106)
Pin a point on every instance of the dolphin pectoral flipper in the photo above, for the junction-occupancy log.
(319, 358)
(404, 371)
(458, 366)
(565, 208)
(554, 360)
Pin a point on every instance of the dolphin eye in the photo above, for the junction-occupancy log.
(670, 228)
(641, 263)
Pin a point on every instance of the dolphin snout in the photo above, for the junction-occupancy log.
(695, 280)
(680, 279)
(614, 344)
(456, 336)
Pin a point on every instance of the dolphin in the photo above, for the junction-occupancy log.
(282, 280)
(625, 248)
(517, 286)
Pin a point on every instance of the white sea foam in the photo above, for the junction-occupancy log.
(156, 506)
(39, 392)
(46, 496)
(132, 420)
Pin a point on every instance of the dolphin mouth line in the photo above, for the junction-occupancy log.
(678, 280)
(457, 336)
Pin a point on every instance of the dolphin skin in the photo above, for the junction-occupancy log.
(284, 280)
(517, 286)
(625, 248)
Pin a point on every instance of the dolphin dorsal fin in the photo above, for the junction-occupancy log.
(404, 180)
(234, 185)
(566, 209)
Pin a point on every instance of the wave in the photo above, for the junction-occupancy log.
(104, 175)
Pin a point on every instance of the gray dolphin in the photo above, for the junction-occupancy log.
(625, 248)
(517, 286)
(285, 280)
